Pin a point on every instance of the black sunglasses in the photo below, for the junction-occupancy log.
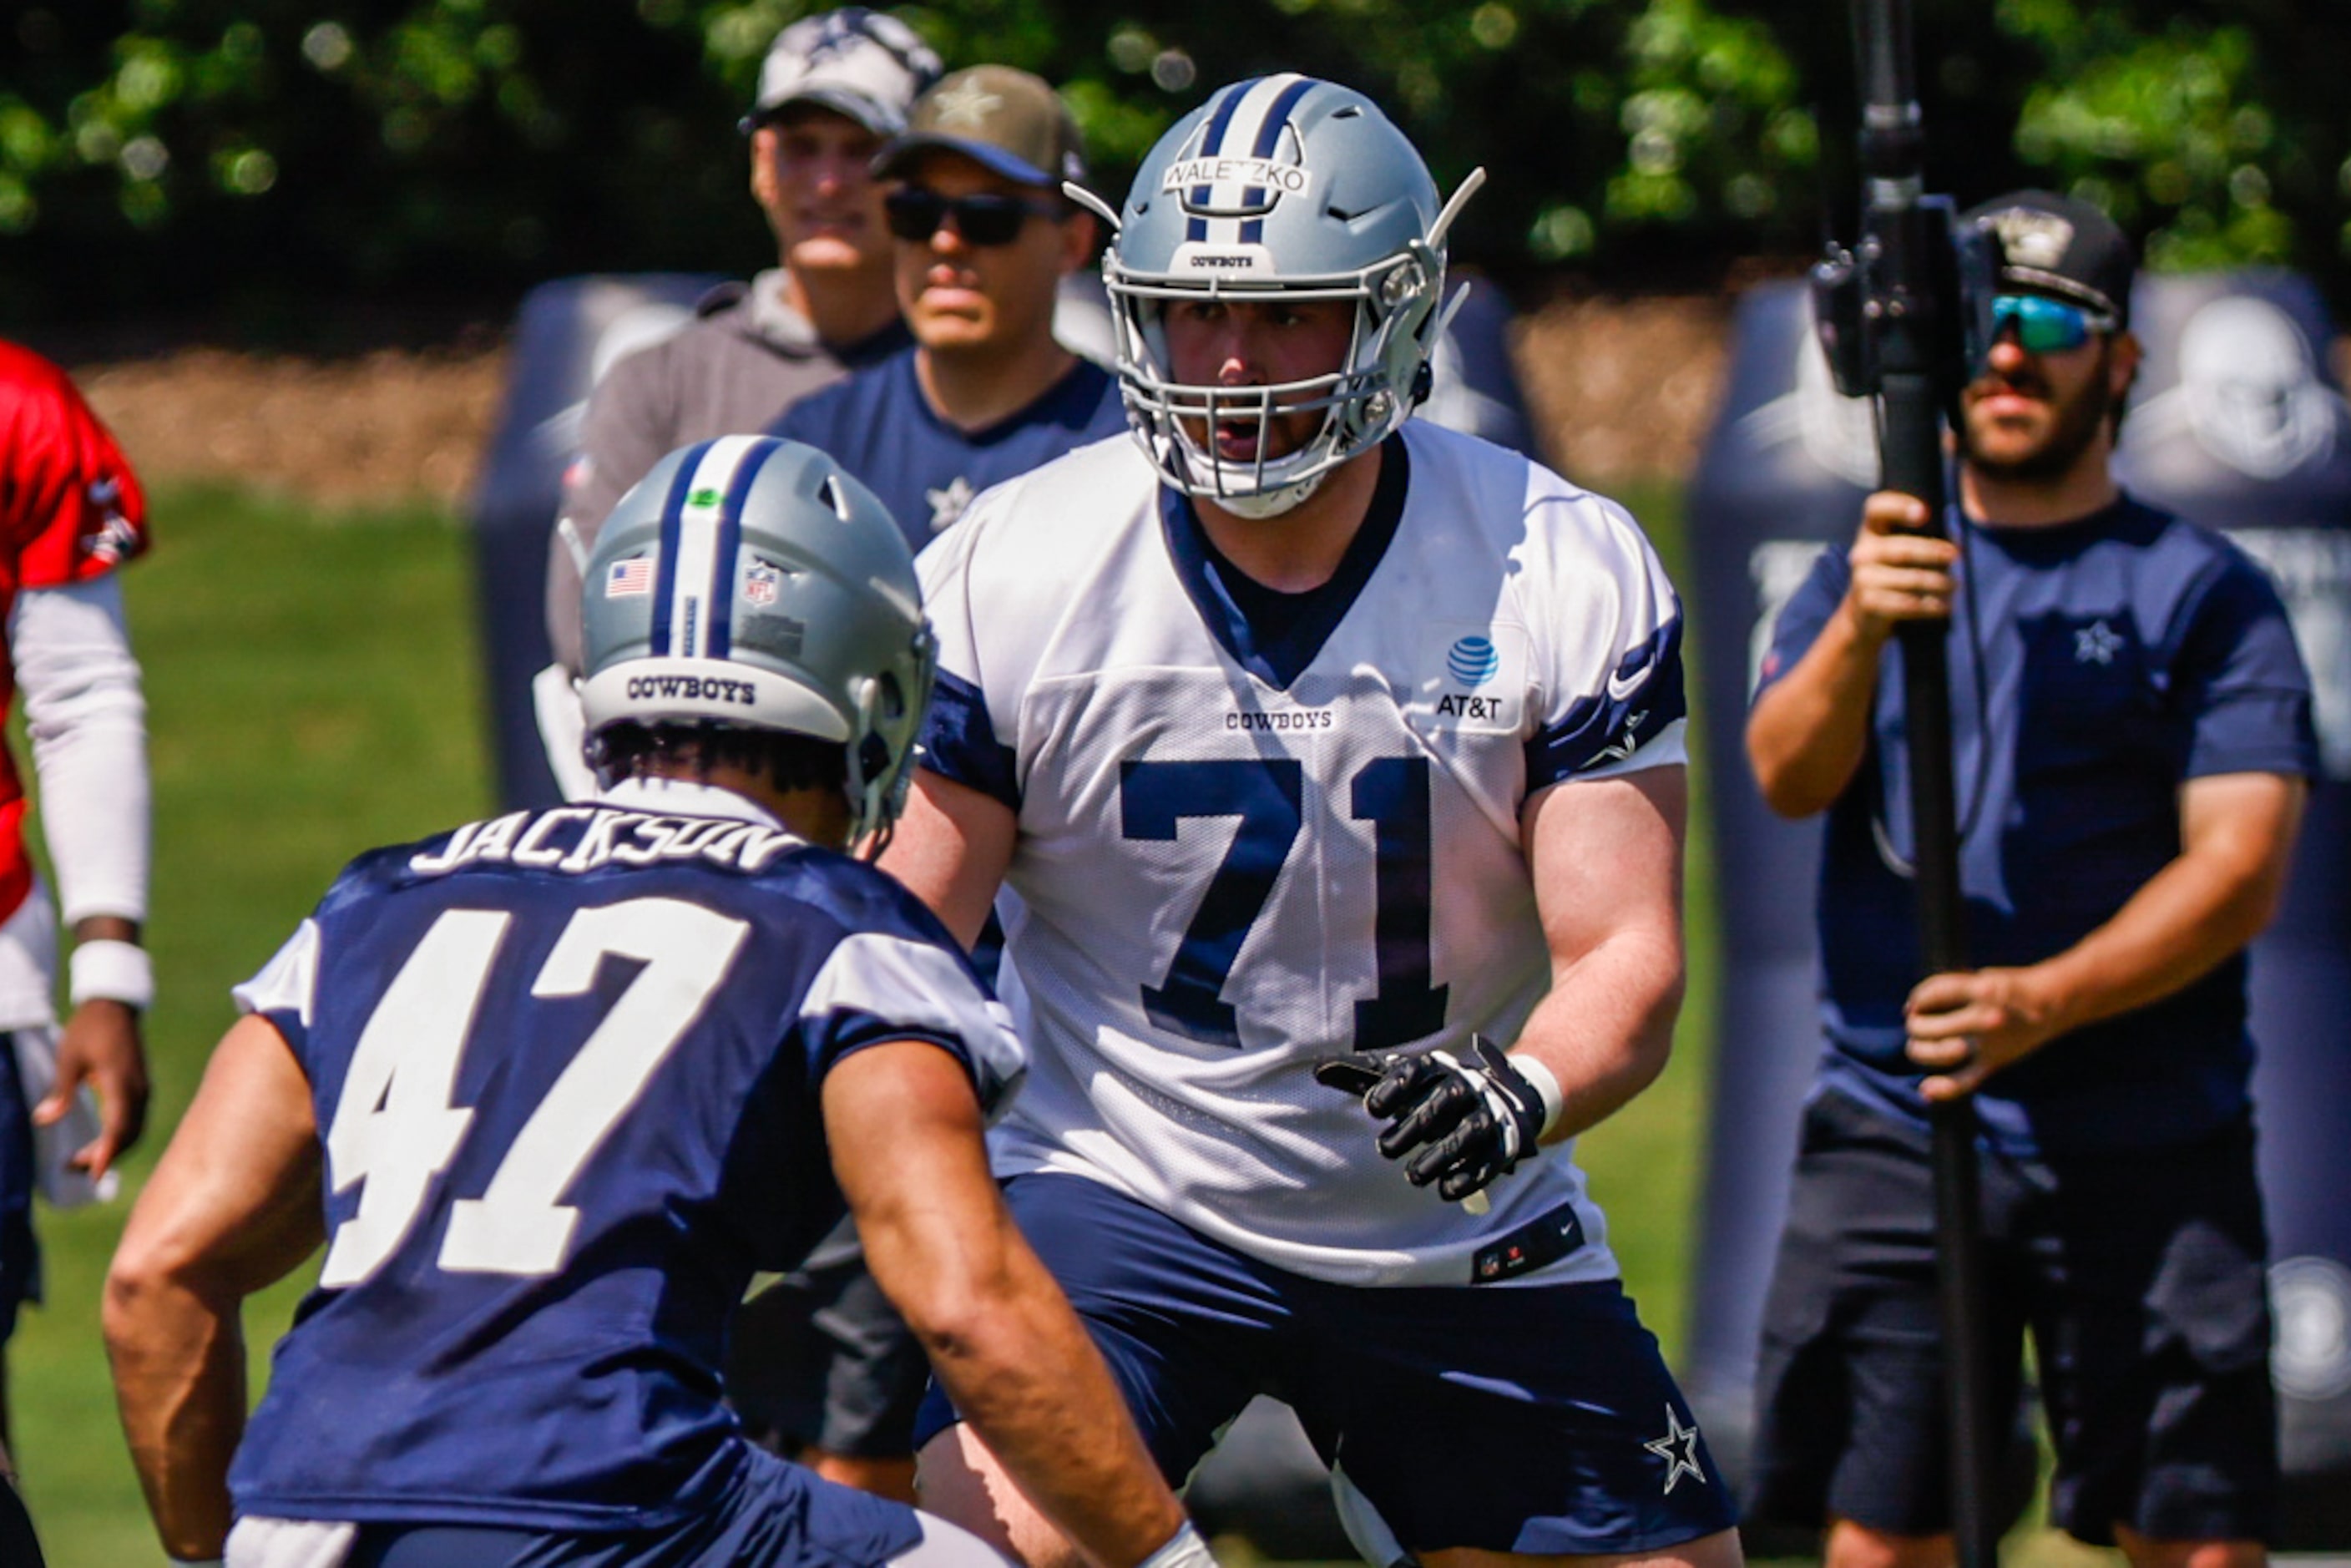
(915, 214)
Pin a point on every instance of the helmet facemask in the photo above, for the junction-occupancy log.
(889, 715)
(1363, 399)
(1282, 189)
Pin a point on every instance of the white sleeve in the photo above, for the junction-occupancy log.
(88, 719)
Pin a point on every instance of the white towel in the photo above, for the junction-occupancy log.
(258, 1542)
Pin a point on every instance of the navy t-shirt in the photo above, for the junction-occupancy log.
(878, 424)
(567, 1068)
(2095, 666)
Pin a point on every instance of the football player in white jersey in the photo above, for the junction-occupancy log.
(1337, 761)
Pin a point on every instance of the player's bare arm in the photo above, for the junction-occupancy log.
(233, 1206)
(1807, 733)
(1606, 858)
(905, 1130)
(2237, 832)
(951, 848)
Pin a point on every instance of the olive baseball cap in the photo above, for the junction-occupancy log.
(2062, 247)
(861, 63)
(1002, 118)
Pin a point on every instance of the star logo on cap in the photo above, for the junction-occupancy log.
(2097, 644)
(967, 104)
(1678, 1449)
(2033, 238)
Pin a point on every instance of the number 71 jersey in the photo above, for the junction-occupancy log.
(1257, 829)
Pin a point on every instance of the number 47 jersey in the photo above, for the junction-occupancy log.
(1255, 829)
(567, 1068)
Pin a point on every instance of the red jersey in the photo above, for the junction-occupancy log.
(70, 509)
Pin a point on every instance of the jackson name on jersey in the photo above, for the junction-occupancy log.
(1245, 846)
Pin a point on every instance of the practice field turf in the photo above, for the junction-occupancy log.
(315, 689)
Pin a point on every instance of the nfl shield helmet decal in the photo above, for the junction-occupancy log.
(761, 583)
(1472, 678)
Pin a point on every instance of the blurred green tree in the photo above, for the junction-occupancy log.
(281, 159)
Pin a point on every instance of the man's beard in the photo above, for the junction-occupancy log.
(2078, 424)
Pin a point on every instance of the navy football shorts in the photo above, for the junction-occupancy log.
(772, 1515)
(1534, 1420)
(20, 1260)
(2139, 1275)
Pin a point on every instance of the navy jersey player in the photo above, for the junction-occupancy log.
(2133, 732)
(551, 1086)
(1310, 735)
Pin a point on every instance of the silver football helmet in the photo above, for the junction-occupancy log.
(1285, 187)
(752, 583)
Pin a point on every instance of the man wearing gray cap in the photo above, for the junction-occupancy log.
(833, 88)
(984, 238)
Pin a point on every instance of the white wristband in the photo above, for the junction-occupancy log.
(1184, 1549)
(1546, 1082)
(112, 970)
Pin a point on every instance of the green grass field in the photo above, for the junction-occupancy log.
(315, 689)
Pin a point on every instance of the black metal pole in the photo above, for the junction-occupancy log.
(1913, 318)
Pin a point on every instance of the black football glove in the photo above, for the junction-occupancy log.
(1473, 1117)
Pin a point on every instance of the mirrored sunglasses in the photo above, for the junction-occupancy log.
(2046, 326)
(987, 218)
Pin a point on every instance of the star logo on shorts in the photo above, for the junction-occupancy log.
(2097, 644)
(1678, 1449)
(947, 504)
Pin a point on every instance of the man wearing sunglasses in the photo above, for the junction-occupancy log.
(982, 239)
(833, 88)
(2133, 730)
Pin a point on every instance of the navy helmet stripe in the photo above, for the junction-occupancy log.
(1268, 134)
(720, 642)
(1212, 141)
(673, 508)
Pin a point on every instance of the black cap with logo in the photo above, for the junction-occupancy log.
(2064, 247)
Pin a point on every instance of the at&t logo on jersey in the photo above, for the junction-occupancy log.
(1473, 660)
(1481, 682)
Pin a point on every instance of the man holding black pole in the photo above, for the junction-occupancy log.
(2131, 739)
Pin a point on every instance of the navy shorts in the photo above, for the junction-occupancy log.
(2139, 1274)
(20, 1259)
(1533, 1419)
(772, 1515)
